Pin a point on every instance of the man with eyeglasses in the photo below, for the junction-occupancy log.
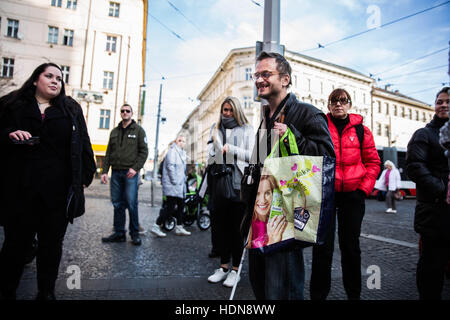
(427, 166)
(126, 154)
(281, 274)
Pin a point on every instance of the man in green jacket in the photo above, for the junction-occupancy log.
(126, 154)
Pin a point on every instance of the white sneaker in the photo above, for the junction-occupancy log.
(389, 210)
(218, 275)
(180, 231)
(156, 230)
(394, 211)
(231, 279)
(141, 230)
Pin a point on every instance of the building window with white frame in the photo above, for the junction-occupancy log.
(386, 130)
(248, 74)
(108, 78)
(247, 102)
(13, 28)
(111, 43)
(56, 3)
(387, 108)
(68, 37)
(7, 68)
(378, 129)
(72, 4)
(53, 34)
(114, 9)
(105, 116)
(65, 73)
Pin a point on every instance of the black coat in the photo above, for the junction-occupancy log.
(55, 169)
(427, 166)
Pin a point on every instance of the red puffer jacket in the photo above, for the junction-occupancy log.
(351, 172)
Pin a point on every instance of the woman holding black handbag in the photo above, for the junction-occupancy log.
(229, 148)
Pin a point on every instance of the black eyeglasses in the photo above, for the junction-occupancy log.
(125, 110)
(265, 75)
(341, 100)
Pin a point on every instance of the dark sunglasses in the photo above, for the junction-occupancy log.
(341, 100)
(227, 109)
(125, 110)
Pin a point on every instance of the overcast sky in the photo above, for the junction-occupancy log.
(188, 39)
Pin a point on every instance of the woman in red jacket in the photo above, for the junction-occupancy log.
(357, 167)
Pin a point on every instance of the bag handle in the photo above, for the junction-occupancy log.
(288, 147)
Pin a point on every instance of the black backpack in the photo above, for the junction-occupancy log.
(360, 134)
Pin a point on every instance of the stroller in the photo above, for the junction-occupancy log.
(195, 207)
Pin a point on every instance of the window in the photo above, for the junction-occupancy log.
(65, 73)
(104, 118)
(111, 43)
(114, 9)
(52, 35)
(379, 106)
(395, 110)
(7, 68)
(72, 4)
(108, 78)
(248, 74)
(410, 114)
(386, 130)
(387, 108)
(309, 84)
(247, 102)
(68, 37)
(424, 117)
(56, 3)
(13, 28)
(403, 112)
(378, 129)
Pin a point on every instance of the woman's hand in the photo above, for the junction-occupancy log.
(225, 148)
(20, 135)
(275, 229)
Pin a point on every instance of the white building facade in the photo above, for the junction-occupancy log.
(99, 44)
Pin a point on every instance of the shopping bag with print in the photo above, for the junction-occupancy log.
(295, 198)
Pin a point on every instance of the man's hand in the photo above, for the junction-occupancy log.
(280, 128)
(104, 178)
(131, 173)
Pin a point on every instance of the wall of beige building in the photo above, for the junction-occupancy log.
(107, 37)
(312, 82)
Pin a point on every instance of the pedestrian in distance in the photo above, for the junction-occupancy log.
(229, 150)
(126, 154)
(357, 168)
(427, 166)
(390, 181)
(281, 275)
(174, 188)
(50, 161)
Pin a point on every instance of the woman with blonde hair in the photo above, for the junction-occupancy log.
(389, 181)
(229, 148)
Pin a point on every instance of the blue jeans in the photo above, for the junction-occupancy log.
(124, 194)
(279, 275)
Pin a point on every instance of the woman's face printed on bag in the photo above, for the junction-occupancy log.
(263, 200)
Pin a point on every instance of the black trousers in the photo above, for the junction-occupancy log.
(350, 209)
(433, 260)
(228, 218)
(20, 228)
(174, 206)
(214, 233)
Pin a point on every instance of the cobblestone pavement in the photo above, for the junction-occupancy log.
(176, 268)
